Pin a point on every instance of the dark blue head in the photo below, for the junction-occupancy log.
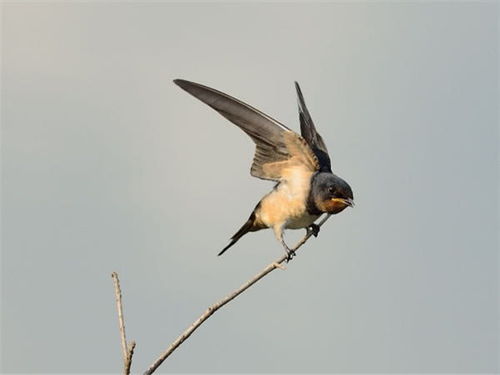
(329, 193)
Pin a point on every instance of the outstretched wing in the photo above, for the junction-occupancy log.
(279, 150)
(308, 131)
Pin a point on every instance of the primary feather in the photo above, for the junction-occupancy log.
(310, 134)
(278, 148)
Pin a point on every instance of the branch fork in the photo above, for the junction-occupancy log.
(128, 348)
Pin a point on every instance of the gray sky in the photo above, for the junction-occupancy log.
(108, 166)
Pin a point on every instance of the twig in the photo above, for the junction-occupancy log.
(216, 306)
(127, 349)
(128, 362)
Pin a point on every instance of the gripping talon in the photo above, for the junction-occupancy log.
(290, 254)
(314, 229)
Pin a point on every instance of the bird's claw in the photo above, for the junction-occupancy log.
(289, 254)
(313, 229)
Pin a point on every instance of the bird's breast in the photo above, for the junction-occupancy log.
(287, 204)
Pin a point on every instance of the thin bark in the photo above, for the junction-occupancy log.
(216, 306)
(127, 350)
(128, 362)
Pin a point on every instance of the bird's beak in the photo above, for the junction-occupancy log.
(347, 202)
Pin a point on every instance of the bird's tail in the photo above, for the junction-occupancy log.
(249, 226)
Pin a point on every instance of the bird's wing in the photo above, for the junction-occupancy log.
(278, 149)
(308, 131)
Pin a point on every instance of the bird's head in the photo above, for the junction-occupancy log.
(330, 193)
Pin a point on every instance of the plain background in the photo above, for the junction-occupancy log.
(108, 166)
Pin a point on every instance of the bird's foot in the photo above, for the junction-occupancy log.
(313, 229)
(289, 254)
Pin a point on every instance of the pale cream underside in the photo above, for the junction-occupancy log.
(285, 207)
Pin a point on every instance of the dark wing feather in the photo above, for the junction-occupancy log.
(277, 147)
(308, 131)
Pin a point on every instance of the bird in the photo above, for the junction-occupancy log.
(300, 165)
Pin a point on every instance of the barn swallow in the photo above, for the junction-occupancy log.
(306, 187)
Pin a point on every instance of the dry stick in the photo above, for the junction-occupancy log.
(216, 306)
(127, 350)
(128, 362)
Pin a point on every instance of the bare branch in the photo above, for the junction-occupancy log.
(128, 362)
(127, 350)
(216, 306)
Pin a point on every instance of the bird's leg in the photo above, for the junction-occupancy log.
(289, 252)
(278, 232)
(314, 229)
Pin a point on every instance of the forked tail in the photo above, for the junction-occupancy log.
(249, 226)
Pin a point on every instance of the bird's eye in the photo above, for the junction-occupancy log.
(331, 190)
